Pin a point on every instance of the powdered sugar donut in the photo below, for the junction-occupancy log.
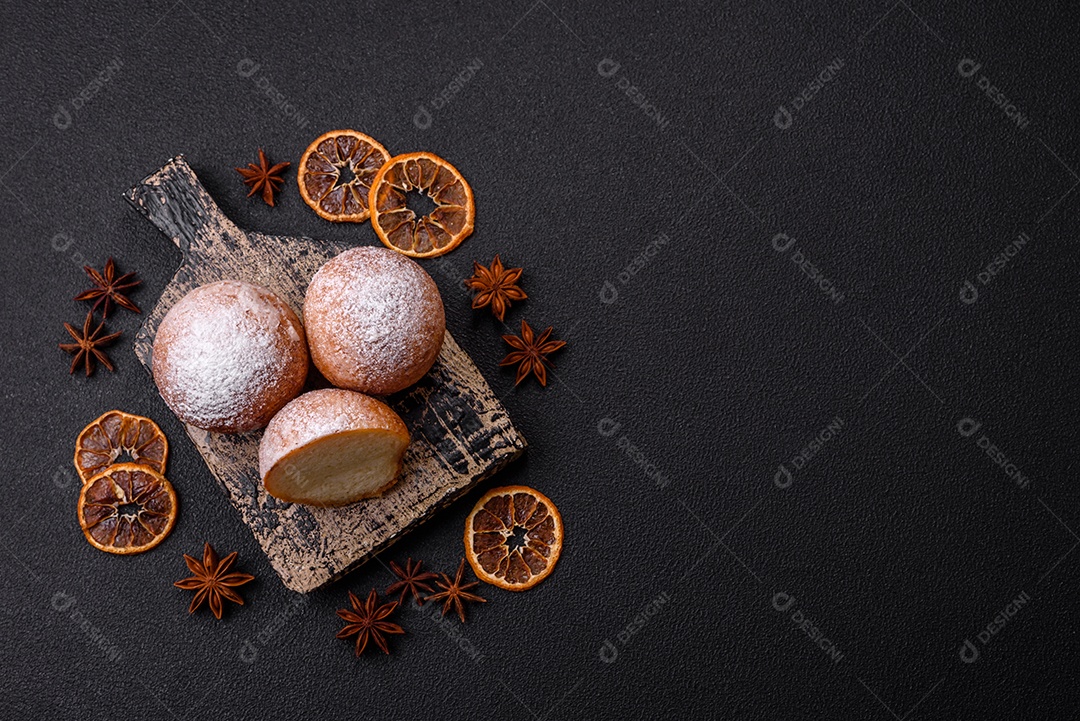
(374, 319)
(228, 356)
(330, 447)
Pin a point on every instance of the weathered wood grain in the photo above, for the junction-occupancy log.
(460, 432)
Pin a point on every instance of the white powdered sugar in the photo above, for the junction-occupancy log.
(223, 352)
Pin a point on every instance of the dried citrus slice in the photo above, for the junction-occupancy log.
(102, 442)
(336, 173)
(438, 232)
(127, 508)
(492, 544)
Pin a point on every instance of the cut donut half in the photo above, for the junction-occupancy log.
(331, 447)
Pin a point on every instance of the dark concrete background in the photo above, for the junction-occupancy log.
(644, 148)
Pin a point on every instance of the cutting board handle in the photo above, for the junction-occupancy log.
(176, 202)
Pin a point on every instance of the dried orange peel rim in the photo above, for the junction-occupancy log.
(102, 441)
(122, 484)
(436, 233)
(320, 168)
(525, 519)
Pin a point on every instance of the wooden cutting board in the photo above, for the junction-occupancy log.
(460, 432)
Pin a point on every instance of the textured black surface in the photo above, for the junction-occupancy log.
(717, 362)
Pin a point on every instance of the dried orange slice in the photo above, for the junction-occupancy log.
(102, 442)
(492, 544)
(438, 232)
(336, 173)
(127, 508)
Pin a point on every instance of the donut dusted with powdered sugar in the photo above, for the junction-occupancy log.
(228, 356)
(374, 320)
(331, 447)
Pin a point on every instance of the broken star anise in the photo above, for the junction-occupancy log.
(496, 287)
(212, 582)
(531, 353)
(454, 592)
(87, 345)
(263, 177)
(107, 288)
(367, 622)
(412, 580)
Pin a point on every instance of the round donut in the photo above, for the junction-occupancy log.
(228, 356)
(375, 321)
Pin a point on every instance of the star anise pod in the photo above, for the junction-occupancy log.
(454, 592)
(531, 353)
(263, 177)
(87, 345)
(366, 622)
(212, 581)
(411, 581)
(108, 288)
(497, 286)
